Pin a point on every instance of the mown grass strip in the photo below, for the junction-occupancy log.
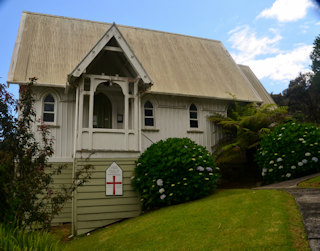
(311, 183)
(234, 219)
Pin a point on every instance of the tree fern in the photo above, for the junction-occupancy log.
(244, 127)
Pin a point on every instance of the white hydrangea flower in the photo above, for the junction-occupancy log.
(315, 159)
(279, 159)
(200, 168)
(280, 135)
(263, 174)
(271, 162)
(264, 170)
(162, 196)
(209, 169)
(307, 154)
(161, 190)
(300, 164)
(288, 175)
(280, 167)
(217, 168)
(139, 164)
(304, 161)
(293, 167)
(304, 142)
(160, 182)
(301, 139)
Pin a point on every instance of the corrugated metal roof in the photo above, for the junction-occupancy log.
(49, 47)
(264, 95)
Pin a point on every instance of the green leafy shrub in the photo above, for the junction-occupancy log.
(18, 239)
(292, 150)
(174, 171)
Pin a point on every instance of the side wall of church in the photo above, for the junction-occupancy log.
(172, 119)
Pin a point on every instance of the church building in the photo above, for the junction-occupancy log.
(109, 91)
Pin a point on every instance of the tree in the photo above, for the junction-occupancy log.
(28, 196)
(315, 66)
(303, 94)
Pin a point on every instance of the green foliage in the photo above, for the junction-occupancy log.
(292, 150)
(27, 192)
(303, 93)
(301, 97)
(315, 66)
(244, 127)
(174, 171)
(18, 239)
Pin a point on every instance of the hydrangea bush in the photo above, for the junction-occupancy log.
(174, 171)
(292, 150)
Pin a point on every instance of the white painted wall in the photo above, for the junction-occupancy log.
(171, 115)
(63, 128)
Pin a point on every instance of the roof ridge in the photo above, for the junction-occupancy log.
(119, 25)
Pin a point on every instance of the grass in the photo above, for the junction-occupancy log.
(233, 219)
(311, 183)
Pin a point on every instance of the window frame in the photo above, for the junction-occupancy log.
(149, 116)
(191, 119)
(54, 112)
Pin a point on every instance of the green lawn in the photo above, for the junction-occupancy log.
(311, 183)
(233, 219)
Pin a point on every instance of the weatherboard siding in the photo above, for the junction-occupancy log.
(171, 118)
(93, 208)
(63, 179)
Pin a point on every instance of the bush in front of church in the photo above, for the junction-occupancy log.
(174, 171)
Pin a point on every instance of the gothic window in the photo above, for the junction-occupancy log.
(148, 114)
(49, 109)
(193, 115)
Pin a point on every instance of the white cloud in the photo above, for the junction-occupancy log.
(287, 10)
(284, 66)
(265, 58)
(249, 45)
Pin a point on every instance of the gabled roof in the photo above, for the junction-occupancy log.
(50, 47)
(264, 95)
(113, 32)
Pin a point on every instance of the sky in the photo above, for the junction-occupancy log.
(273, 37)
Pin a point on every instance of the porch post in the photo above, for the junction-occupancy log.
(126, 116)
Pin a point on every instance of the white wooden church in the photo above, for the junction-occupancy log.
(109, 91)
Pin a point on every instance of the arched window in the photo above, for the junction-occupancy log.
(49, 109)
(148, 114)
(193, 114)
(102, 111)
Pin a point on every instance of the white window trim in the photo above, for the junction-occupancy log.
(54, 123)
(153, 115)
(194, 119)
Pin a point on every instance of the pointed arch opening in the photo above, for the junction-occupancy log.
(108, 106)
(102, 111)
(49, 109)
(193, 116)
